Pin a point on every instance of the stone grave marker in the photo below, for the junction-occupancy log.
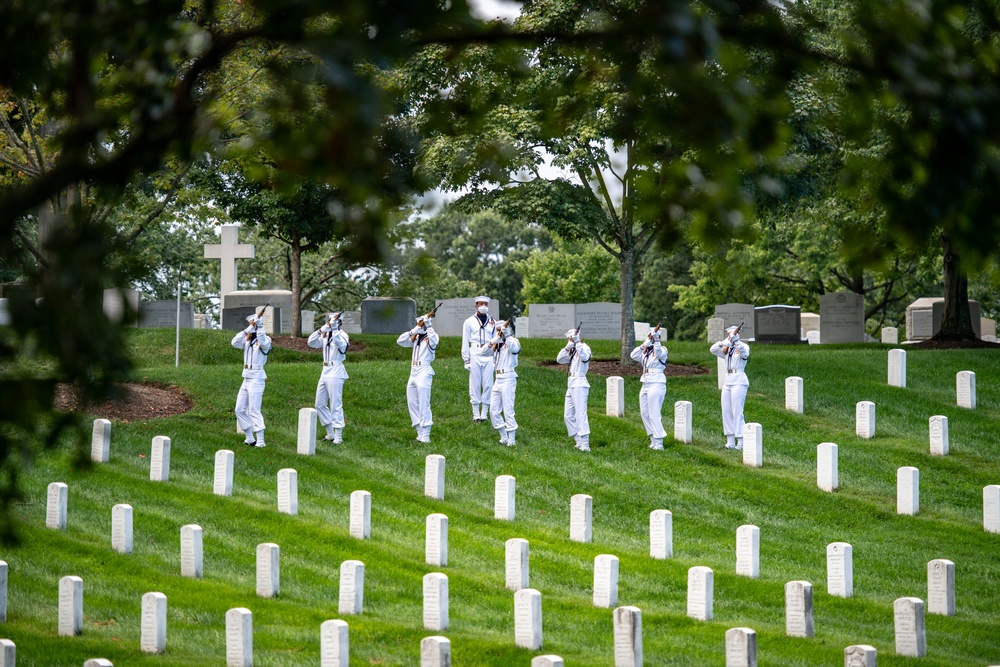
(641, 329)
(121, 528)
(159, 459)
(70, 606)
(941, 587)
(911, 633)
(288, 491)
(799, 609)
(716, 329)
(223, 479)
(890, 335)
(720, 371)
(733, 314)
(814, 337)
(516, 563)
(864, 420)
(100, 441)
(605, 581)
(907, 490)
(8, 653)
(201, 321)
(794, 394)
(98, 662)
(615, 400)
(4, 312)
(503, 498)
(581, 508)
(436, 542)
(451, 316)
(748, 551)
(897, 368)
(547, 661)
(777, 324)
(827, 477)
(3, 591)
(334, 647)
(753, 445)
(552, 320)
(435, 601)
(435, 652)
(682, 421)
(268, 570)
(350, 322)
(229, 250)
(939, 435)
(239, 637)
(965, 389)
(352, 587)
(991, 508)
(628, 637)
(235, 319)
(383, 315)
(661, 534)
(434, 476)
(191, 551)
(361, 515)
(153, 623)
(860, 655)
(842, 317)
(840, 569)
(601, 321)
(701, 584)
(308, 323)
(522, 327)
(115, 303)
(528, 619)
(55, 506)
(162, 314)
(277, 315)
(809, 322)
(920, 319)
(741, 647)
(987, 327)
(305, 442)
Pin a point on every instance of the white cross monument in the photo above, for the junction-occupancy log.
(228, 251)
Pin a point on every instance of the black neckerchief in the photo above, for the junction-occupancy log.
(483, 319)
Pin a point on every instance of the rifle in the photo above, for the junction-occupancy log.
(430, 314)
(509, 324)
(656, 328)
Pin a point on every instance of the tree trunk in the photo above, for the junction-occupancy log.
(627, 264)
(296, 271)
(956, 324)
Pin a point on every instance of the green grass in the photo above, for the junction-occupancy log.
(707, 488)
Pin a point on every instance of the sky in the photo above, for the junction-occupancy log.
(487, 10)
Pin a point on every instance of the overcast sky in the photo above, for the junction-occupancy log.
(487, 10)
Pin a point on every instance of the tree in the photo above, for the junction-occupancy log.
(575, 272)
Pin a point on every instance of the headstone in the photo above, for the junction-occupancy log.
(661, 534)
(810, 322)
(777, 324)
(547, 661)
(516, 563)
(701, 584)
(911, 633)
(288, 491)
(3, 591)
(748, 551)
(201, 321)
(941, 587)
(735, 313)
(991, 508)
(305, 443)
(581, 508)
(682, 421)
(162, 314)
(153, 623)
(308, 322)
(741, 647)
(522, 327)
(920, 319)
(897, 368)
(552, 320)
(228, 250)
(641, 329)
(615, 402)
(503, 498)
(601, 320)
(605, 581)
(352, 587)
(350, 322)
(753, 445)
(4, 312)
(451, 315)
(70, 606)
(840, 570)
(436, 542)
(907, 490)
(890, 335)
(435, 652)
(191, 551)
(235, 319)
(268, 570)
(987, 327)
(799, 609)
(860, 655)
(159, 459)
(827, 476)
(383, 315)
(864, 420)
(55, 506)
(528, 619)
(965, 389)
(628, 637)
(939, 435)
(720, 371)
(121, 528)
(435, 601)
(100, 441)
(794, 394)
(814, 337)
(361, 515)
(334, 648)
(98, 662)
(239, 637)
(223, 485)
(8, 653)
(115, 301)
(277, 318)
(716, 329)
(842, 317)
(434, 476)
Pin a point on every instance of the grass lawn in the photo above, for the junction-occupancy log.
(708, 490)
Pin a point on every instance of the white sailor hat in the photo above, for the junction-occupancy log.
(570, 333)
(483, 299)
(731, 329)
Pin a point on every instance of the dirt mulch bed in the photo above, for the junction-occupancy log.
(137, 401)
(300, 344)
(608, 367)
(954, 345)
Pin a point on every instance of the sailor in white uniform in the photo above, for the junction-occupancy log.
(653, 358)
(577, 354)
(504, 349)
(477, 331)
(424, 341)
(256, 345)
(330, 390)
(734, 390)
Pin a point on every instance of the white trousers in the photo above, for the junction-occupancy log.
(733, 398)
(418, 400)
(330, 401)
(248, 404)
(502, 400)
(575, 411)
(480, 384)
(650, 406)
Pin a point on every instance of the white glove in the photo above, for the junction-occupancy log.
(325, 328)
(496, 340)
(416, 331)
(656, 336)
(570, 344)
(576, 338)
(428, 323)
(468, 367)
(250, 329)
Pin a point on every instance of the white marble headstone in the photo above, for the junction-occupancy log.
(352, 587)
(268, 570)
(911, 633)
(435, 601)
(8, 653)
(991, 508)
(305, 442)
(840, 569)
(890, 335)
(239, 637)
(98, 662)
(288, 491)
(661, 534)
(528, 619)
(799, 609)
(827, 474)
(753, 445)
(361, 515)
(516, 563)
(701, 584)
(435, 652)
(716, 329)
(939, 435)
(334, 646)
(814, 337)
(605, 581)
(741, 647)
(860, 655)
(864, 420)
(615, 401)
(159, 459)
(153, 623)
(581, 507)
(3, 591)
(70, 606)
(897, 368)
(121, 528)
(794, 394)
(436, 542)
(965, 389)
(941, 587)
(503, 498)
(191, 551)
(907, 490)
(100, 441)
(628, 637)
(682, 421)
(748, 551)
(223, 480)
(434, 476)
(55, 506)
(547, 661)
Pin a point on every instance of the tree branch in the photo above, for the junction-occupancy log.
(171, 191)
(30, 247)
(31, 133)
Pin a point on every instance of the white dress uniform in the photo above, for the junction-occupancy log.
(653, 358)
(477, 331)
(734, 390)
(256, 345)
(577, 355)
(330, 389)
(424, 341)
(505, 387)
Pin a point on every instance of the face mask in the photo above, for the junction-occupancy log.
(483, 310)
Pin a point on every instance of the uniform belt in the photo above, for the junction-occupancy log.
(333, 363)
(253, 367)
(653, 371)
(578, 375)
(732, 371)
(419, 363)
(501, 371)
